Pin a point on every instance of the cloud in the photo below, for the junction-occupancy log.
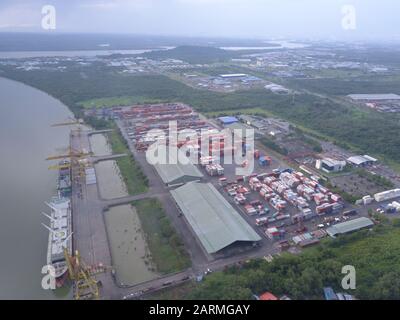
(245, 18)
(20, 16)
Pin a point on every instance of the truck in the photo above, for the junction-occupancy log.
(349, 213)
(262, 221)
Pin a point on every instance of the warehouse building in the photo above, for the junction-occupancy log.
(374, 97)
(361, 161)
(349, 226)
(227, 120)
(330, 165)
(215, 222)
(233, 75)
(175, 173)
(246, 131)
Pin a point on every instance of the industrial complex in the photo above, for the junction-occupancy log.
(223, 218)
(215, 222)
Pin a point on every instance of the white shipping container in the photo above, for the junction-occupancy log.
(387, 195)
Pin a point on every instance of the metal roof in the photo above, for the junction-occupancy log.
(228, 119)
(233, 75)
(175, 172)
(388, 96)
(349, 226)
(246, 131)
(358, 160)
(216, 223)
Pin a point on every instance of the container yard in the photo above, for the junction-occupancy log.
(279, 202)
(279, 207)
(285, 204)
(139, 120)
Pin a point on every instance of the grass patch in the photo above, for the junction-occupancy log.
(271, 144)
(375, 178)
(166, 247)
(134, 178)
(178, 292)
(249, 111)
(116, 101)
(375, 255)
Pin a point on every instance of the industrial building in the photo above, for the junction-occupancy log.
(215, 222)
(175, 173)
(253, 121)
(246, 131)
(374, 97)
(387, 195)
(227, 120)
(361, 161)
(233, 75)
(349, 226)
(276, 88)
(330, 165)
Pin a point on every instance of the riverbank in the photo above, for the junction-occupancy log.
(135, 180)
(166, 247)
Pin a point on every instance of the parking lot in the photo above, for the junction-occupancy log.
(264, 216)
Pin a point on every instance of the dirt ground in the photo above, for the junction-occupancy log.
(356, 185)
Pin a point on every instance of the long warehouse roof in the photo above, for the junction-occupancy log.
(216, 223)
(385, 96)
(175, 170)
(349, 226)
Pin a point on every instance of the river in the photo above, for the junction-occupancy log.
(26, 139)
(72, 53)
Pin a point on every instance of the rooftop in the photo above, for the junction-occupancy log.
(227, 120)
(175, 172)
(268, 296)
(349, 226)
(358, 160)
(387, 96)
(246, 131)
(233, 75)
(216, 223)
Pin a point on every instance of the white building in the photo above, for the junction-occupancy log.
(330, 165)
(361, 161)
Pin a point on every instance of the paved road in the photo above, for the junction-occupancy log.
(106, 158)
(90, 235)
(128, 199)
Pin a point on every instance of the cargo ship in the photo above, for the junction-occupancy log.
(64, 185)
(60, 228)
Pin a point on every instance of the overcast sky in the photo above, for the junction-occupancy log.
(231, 18)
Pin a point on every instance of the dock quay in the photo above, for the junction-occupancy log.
(95, 160)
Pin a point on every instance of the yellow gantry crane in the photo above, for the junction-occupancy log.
(77, 158)
(85, 285)
(74, 155)
(60, 166)
(71, 122)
